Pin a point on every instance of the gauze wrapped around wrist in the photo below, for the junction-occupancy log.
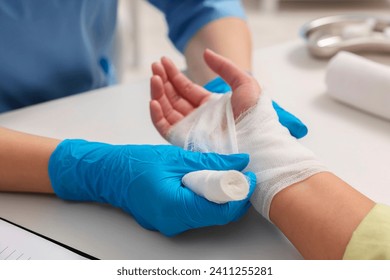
(210, 128)
(277, 159)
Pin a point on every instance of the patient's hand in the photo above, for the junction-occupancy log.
(174, 96)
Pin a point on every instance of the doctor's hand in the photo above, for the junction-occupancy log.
(145, 181)
(174, 96)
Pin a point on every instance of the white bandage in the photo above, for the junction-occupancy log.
(209, 128)
(277, 159)
(218, 186)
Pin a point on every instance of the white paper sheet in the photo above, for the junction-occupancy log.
(19, 244)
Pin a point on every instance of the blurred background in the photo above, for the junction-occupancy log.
(142, 30)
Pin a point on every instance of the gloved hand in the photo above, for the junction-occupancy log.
(288, 120)
(145, 181)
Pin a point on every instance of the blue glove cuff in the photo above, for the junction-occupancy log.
(72, 170)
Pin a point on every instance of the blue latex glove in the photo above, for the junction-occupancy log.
(291, 122)
(145, 181)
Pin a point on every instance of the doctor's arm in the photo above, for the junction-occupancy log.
(24, 162)
(142, 180)
(217, 25)
(228, 36)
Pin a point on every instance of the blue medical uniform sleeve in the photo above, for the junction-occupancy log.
(56, 48)
(186, 17)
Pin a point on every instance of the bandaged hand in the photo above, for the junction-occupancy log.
(244, 121)
(145, 181)
(288, 120)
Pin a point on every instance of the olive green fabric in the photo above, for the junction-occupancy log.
(371, 239)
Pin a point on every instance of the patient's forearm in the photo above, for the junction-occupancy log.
(24, 162)
(319, 215)
(229, 37)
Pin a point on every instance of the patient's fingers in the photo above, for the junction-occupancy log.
(157, 91)
(169, 112)
(180, 104)
(158, 69)
(195, 94)
(246, 90)
(166, 95)
(160, 122)
(175, 100)
(233, 75)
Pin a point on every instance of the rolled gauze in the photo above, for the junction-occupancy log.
(360, 82)
(218, 186)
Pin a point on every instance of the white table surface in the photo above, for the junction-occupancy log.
(355, 145)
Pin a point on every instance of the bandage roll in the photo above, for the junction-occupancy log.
(359, 82)
(218, 186)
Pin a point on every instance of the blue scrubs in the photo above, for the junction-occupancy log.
(54, 48)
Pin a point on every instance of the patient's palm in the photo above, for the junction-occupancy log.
(174, 96)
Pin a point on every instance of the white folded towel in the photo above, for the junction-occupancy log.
(360, 82)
